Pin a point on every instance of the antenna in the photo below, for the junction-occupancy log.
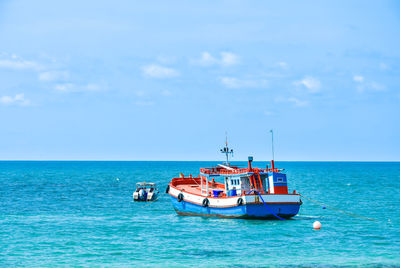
(226, 149)
(272, 136)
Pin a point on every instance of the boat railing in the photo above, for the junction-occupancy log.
(223, 171)
(215, 171)
(209, 171)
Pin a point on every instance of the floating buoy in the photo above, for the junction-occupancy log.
(323, 207)
(317, 225)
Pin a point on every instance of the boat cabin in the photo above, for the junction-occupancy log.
(147, 186)
(238, 181)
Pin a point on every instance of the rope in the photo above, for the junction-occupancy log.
(150, 202)
(195, 181)
(339, 210)
(269, 208)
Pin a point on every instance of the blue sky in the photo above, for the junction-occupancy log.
(164, 80)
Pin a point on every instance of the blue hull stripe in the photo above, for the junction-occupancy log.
(244, 211)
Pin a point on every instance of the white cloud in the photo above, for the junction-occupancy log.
(367, 86)
(16, 63)
(297, 102)
(376, 86)
(283, 65)
(206, 59)
(64, 87)
(158, 71)
(358, 78)
(69, 87)
(18, 99)
(232, 82)
(53, 76)
(312, 84)
(226, 59)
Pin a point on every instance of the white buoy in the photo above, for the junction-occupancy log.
(317, 225)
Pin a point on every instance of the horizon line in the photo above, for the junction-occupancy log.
(102, 160)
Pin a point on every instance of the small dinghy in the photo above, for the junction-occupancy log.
(145, 191)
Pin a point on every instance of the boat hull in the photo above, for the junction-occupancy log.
(245, 211)
(149, 197)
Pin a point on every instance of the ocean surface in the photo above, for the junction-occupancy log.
(82, 214)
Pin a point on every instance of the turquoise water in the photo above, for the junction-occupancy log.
(82, 214)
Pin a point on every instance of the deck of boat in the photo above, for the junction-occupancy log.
(193, 185)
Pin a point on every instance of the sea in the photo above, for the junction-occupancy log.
(82, 214)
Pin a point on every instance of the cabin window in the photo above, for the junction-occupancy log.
(280, 180)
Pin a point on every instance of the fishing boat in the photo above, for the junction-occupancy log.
(145, 191)
(229, 191)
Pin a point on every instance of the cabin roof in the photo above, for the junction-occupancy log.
(233, 170)
(145, 184)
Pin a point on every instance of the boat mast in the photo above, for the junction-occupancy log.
(273, 156)
(272, 136)
(226, 150)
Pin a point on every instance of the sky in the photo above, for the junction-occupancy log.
(165, 80)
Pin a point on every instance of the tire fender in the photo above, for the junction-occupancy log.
(205, 202)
